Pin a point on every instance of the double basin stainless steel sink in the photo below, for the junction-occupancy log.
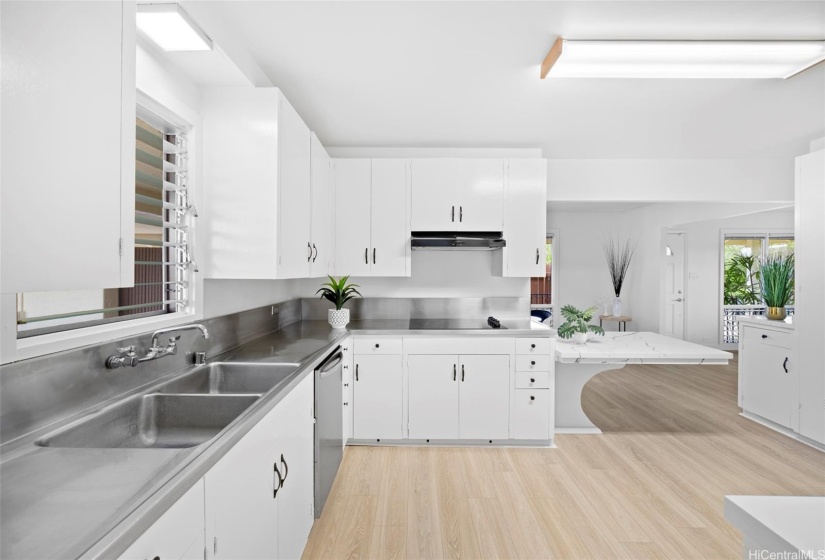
(186, 411)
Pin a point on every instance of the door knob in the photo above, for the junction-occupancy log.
(679, 299)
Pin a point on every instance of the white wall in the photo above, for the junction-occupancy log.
(674, 180)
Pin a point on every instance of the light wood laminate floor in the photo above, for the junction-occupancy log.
(651, 486)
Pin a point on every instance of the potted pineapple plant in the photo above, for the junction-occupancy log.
(777, 276)
(577, 324)
(338, 292)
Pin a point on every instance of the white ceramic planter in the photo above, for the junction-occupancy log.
(338, 318)
(579, 338)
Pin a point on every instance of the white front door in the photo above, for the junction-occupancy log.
(674, 291)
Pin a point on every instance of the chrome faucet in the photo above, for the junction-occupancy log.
(127, 356)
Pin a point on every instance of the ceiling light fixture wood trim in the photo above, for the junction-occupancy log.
(552, 57)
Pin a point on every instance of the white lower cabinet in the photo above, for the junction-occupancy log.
(769, 384)
(433, 396)
(259, 496)
(347, 379)
(177, 535)
(532, 414)
(458, 397)
(377, 396)
(484, 397)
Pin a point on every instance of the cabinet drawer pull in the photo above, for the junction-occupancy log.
(532, 380)
(314, 248)
(454, 368)
(537, 262)
(309, 256)
(462, 373)
(460, 213)
(532, 346)
(373, 255)
(532, 398)
(532, 362)
(764, 336)
(785, 365)
(377, 345)
(356, 372)
(452, 216)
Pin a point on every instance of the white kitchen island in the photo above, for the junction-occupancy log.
(576, 364)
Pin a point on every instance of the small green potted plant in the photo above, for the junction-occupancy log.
(577, 324)
(339, 293)
(777, 275)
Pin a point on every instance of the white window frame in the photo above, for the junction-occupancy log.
(765, 234)
(13, 349)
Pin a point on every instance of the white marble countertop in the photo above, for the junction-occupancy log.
(762, 321)
(637, 348)
(780, 523)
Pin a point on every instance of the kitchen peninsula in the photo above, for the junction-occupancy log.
(576, 364)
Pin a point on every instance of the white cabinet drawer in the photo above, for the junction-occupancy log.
(532, 346)
(532, 407)
(377, 345)
(769, 337)
(539, 362)
(532, 380)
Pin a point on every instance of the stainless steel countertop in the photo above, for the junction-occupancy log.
(93, 503)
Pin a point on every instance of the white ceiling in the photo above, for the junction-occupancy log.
(465, 74)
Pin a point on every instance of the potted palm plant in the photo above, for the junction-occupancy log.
(576, 324)
(339, 293)
(777, 275)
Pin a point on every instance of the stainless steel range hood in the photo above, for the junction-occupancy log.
(456, 241)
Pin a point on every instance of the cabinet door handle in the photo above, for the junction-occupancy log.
(452, 216)
(454, 372)
(314, 248)
(377, 345)
(277, 482)
(537, 256)
(286, 468)
(367, 255)
(309, 247)
(785, 365)
(532, 346)
(460, 213)
(532, 398)
(356, 372)
(462, 373)
(373, 255)
(764, 336)
(532, 362)
(532, 380)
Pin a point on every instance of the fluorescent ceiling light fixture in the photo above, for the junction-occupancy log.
(171, 28)
(681, 59)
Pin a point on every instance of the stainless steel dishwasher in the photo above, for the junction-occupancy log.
(329, 425)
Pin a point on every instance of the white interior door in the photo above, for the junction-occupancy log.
(674, 292)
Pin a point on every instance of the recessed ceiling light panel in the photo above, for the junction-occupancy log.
(171, 28)
(681, 59)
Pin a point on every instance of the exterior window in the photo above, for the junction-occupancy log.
(162, 251)
(741, 288)
(541, 289)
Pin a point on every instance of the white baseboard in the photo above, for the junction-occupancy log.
(782, 430)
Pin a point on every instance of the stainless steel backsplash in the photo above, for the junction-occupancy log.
(40, 391)
(423, 308)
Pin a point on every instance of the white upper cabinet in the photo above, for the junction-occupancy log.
(68, 150)
(390, 235)
(295, 197)
(457, 195)
(257, 185)
(321, 222)
(525, 225)
(352, 211)
(371, 233)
